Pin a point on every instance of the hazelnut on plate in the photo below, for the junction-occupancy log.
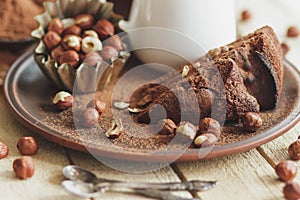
(27, 146)
(186, 132)
(51, 39)
(85, 21)
(108, 52)
(205, 140)
(63, 100)
(72, 42)
(104, 28)
(24, 167)
(210, 125)
(56, 25)
(70, 57)
(90, 117)
(91, 44)
(100, 106)
(168, 127)
(251, 121)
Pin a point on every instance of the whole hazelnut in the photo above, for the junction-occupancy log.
(92, 59)
(286, 170)
(210, 125)
(291, 191)
(114, 41)
(90, 33)
(56, 25)
(246, 15)
(85, 21)
(168, 127)
(205, 140)
(73, 30)
(27, 146)
(71, 42)
(70, 57)
(292, 31)
(51, 39)
(294, 150)
(185, 132)
(3, 150)
(108, 52)
(24, 167)
(104, 28)
(285, 48)
(91, 44)
(251, 121)
(63, 100)
(100, 106)
(90, 117)
(57, 52)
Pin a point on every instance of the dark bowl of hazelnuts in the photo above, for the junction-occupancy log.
(80, 45)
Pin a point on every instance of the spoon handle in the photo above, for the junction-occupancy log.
(175, 186)
(162, 195)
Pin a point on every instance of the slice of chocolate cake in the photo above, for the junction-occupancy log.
(246, 75)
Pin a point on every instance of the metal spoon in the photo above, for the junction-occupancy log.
(77, 173)
(87, 190)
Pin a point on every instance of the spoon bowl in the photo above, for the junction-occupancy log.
(81, 189)
(77, 173)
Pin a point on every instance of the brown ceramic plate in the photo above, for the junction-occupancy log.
(28, 94)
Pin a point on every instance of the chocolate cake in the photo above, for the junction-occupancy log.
(246, 75)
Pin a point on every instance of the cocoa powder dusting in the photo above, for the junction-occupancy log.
(17, 18)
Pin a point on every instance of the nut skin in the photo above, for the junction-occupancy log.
(286, 170)
(205, 140)
(71, 42)
(24, 167)
(251, 121)
(210, 125)
(70, 57)
(292, 31)
(246, 15)
(104, 28)
(168, 127)
(114, 41)
(51, 39)
(57, 52)
(100, 106)
(185, 132)
(108, 52)
(294, 150)
(92, 59)
(90, 117)
(73, 30)
(291, 191)
(85, 21)
(3, 150)
(56, 25)
(27, 146)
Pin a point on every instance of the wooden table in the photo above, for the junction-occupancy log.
(248, 175)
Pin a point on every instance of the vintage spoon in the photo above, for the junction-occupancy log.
(77, 173)
(87, 190)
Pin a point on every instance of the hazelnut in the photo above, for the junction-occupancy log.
(185, 71)
(285, 48)
(286, 170)
(108, 53)
(212, 54)
(27, 146)
(73, 30)
(85, 21)
(56, 25)
(104, 28)
(205, 140)
(291, 191)
(90, 117)
(3, 150)
(24, 167)
(168, 127)
(114, 131)
(246, 15)
(294, 150)
(210, 125)
(70, 57)
(90, 33)
(71, 42)
(292, 31)
(115, 42)
(57, 52)
(251, 121)
(98, 105)
(91, 44)
(186, 132)
(51, 39)
(63, 100)
(92, 59)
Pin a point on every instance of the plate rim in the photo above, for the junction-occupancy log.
(189, 155)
